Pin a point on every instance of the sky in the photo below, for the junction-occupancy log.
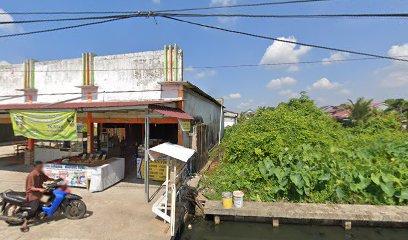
(242, 88)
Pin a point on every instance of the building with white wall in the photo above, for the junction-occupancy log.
(230, 118)
(117, 90)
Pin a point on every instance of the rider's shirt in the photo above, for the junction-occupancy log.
(35, 180)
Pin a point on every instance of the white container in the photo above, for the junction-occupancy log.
(238, 199)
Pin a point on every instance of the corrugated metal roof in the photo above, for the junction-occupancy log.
(171, 112)
(78, 105)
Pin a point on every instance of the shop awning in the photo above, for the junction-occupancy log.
(171, 112)
(172, 150)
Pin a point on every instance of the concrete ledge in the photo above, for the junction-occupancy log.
(369, 215)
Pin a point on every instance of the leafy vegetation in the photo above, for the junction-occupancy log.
(400, 107)
(360, 109)
(295, 152)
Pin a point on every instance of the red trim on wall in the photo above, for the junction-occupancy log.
(87, 70)
(5, 120)
(131, 120)
(90, 131)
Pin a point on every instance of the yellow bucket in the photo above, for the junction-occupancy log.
(227, 200)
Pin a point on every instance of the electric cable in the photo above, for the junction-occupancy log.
(285, 41)
(73, 19)
(169, 10)
(339, 15)
(63, 28)
(155, 14)
(210, 67)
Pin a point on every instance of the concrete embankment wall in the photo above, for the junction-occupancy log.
(365, 215)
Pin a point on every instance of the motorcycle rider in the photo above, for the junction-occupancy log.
(34, 190)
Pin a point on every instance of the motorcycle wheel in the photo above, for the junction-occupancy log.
(75, 209)
(10, 211)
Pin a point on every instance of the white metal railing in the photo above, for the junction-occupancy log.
(161, 206)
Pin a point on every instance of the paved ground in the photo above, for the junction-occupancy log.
(117, 213)
(329, 213)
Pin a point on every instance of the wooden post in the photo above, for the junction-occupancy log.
(30, 144)
(180, 106)
(217, 220)
(347, 225)
(275, 223)
(29, 153)
(90, 141)
(146, 143)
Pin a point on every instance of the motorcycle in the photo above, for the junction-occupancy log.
(56, 199)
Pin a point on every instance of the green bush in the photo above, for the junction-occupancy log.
(297, 153)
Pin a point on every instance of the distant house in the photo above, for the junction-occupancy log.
(339, 113)
(248, 113)
(230, 118)
(342, 112)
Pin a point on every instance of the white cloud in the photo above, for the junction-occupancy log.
(279, 82)
(225, 20)
(344, 91)
(8, 28)
(396, 74)
(223, 2)
(205, 74)
(399, 51)
(338, 56)
(246, 105)
(4, 62)
(281, 52)
(395, 77)
(189, 69)
(234, 96)
(288, 93)
(321, 100)
(326, 84)
(199, 74)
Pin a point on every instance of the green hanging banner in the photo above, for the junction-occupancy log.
(45, 125)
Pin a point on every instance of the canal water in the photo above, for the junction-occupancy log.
(206, 230)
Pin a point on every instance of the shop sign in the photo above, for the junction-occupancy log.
(185, 125)
(73, 175)
(45, 125)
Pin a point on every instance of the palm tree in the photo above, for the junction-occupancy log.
(360, 109)
(399, 105)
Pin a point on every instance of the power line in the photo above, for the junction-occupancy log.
(63, 28)
(155, 14)
(211, 67)
(243, 5)
(286, 41)
(169, 10)
(74, 19)
(204, 67)
(68, 13)
(340, 15)
(207, 67)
